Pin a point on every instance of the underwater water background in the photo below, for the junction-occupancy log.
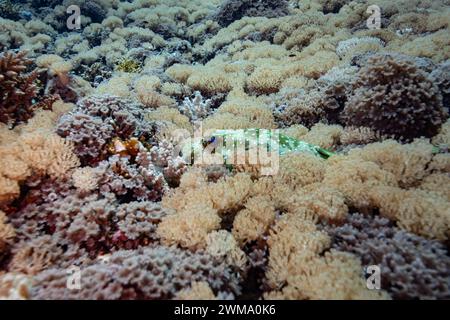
(224, 149)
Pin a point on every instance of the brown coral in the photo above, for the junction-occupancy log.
(17, 88)
(7, 233)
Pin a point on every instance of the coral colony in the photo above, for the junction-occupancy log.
(224, 149)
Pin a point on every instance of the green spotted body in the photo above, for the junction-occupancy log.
(265, 138)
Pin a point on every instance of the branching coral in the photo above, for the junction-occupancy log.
(92, 224)
(97, 120)
(232, 10)
(144, 274)
(394, 97)
(17, 87)
(125, 179)
(195, 108)
(412, 267)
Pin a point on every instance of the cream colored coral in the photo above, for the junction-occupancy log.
(440, 163)
(48, 153)
(228, 194)
(146, 82)
(34, 151)
(199, 206)
(7, 135)
(197, 291)
(146, 88)
(296, 131)
(442, 139)
(189, 227)
(85, 179)
(408, 163)
(31, 259)
(300, 169)
(63, 158)
(112, 22)
(9, 189)
(335, 276)
(42, 120)
(117, 85)
(7, 232)
(55, 64)
(421, 212)
(15, 286)
(265, 80)
(259, 115)
(254, 220)
(172, 115)
(437, 183)
(327, 203)
(435, 46)
(358, 136)
(180, 72)
(209, 81)
(153, 99)
(324, 136)
(355, 179)
(292, 235)
(227, 121)
(14, 168)
(222, 244)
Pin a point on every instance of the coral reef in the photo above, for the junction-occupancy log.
(224, 149)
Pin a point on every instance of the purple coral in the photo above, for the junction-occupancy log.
(149, 273)
(89, 134)
(129, 180)
(394, 97)
(93, 223)
(412, 267)
(232, 10)
(96, 120)
(441, 76)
